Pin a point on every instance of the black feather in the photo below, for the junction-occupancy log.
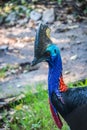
(74, 108)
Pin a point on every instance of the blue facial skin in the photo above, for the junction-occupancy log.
(55, 69)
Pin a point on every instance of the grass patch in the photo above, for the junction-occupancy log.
(32, 112)
(2, 72)
(7, 68)
(80, 83)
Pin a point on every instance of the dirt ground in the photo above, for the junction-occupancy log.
(72, 41)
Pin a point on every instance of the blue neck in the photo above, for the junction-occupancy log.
(55, 72)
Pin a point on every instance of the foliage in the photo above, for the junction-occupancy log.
(79, 83)
(5, 69)
(59, 2)
(3, 72)
(32, 113)
(20, 8)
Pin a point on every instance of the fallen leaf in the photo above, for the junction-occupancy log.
(74, 57)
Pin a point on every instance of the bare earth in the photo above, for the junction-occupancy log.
(72, 41)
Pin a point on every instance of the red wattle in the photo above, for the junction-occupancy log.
(56, 117)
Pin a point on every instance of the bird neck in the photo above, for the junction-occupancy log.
(55, 79)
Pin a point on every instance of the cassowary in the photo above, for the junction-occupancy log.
(70, 103)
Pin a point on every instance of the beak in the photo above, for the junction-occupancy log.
(36, 61)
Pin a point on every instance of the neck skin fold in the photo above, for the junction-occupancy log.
(55, 72)
(55, 79)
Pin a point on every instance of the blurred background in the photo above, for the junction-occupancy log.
(19, 20)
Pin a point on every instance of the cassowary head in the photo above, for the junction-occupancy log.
(44, 49)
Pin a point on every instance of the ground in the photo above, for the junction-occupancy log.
(72, 41)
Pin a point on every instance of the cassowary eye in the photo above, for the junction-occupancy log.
(55, 51)
(47, 54)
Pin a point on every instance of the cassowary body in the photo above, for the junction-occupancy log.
(71, 103)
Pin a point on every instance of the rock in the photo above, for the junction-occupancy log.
(22, 21)
(34, 15)
(8, 73)
(25, 71)
(62, 28)
(48, 16)
(73, 26)
(3, 49)
(31, 23)
(70, 19)
(10, 49)
(78, 42)
(6, 101)
(12, 112)
(67, 72)
(13, 71)
(19, 86)
(12, 17)
(74, 57)
(2, 103)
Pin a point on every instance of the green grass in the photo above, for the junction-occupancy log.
(33, 113)
(5, 69)
(59, 2)
(2, 72)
